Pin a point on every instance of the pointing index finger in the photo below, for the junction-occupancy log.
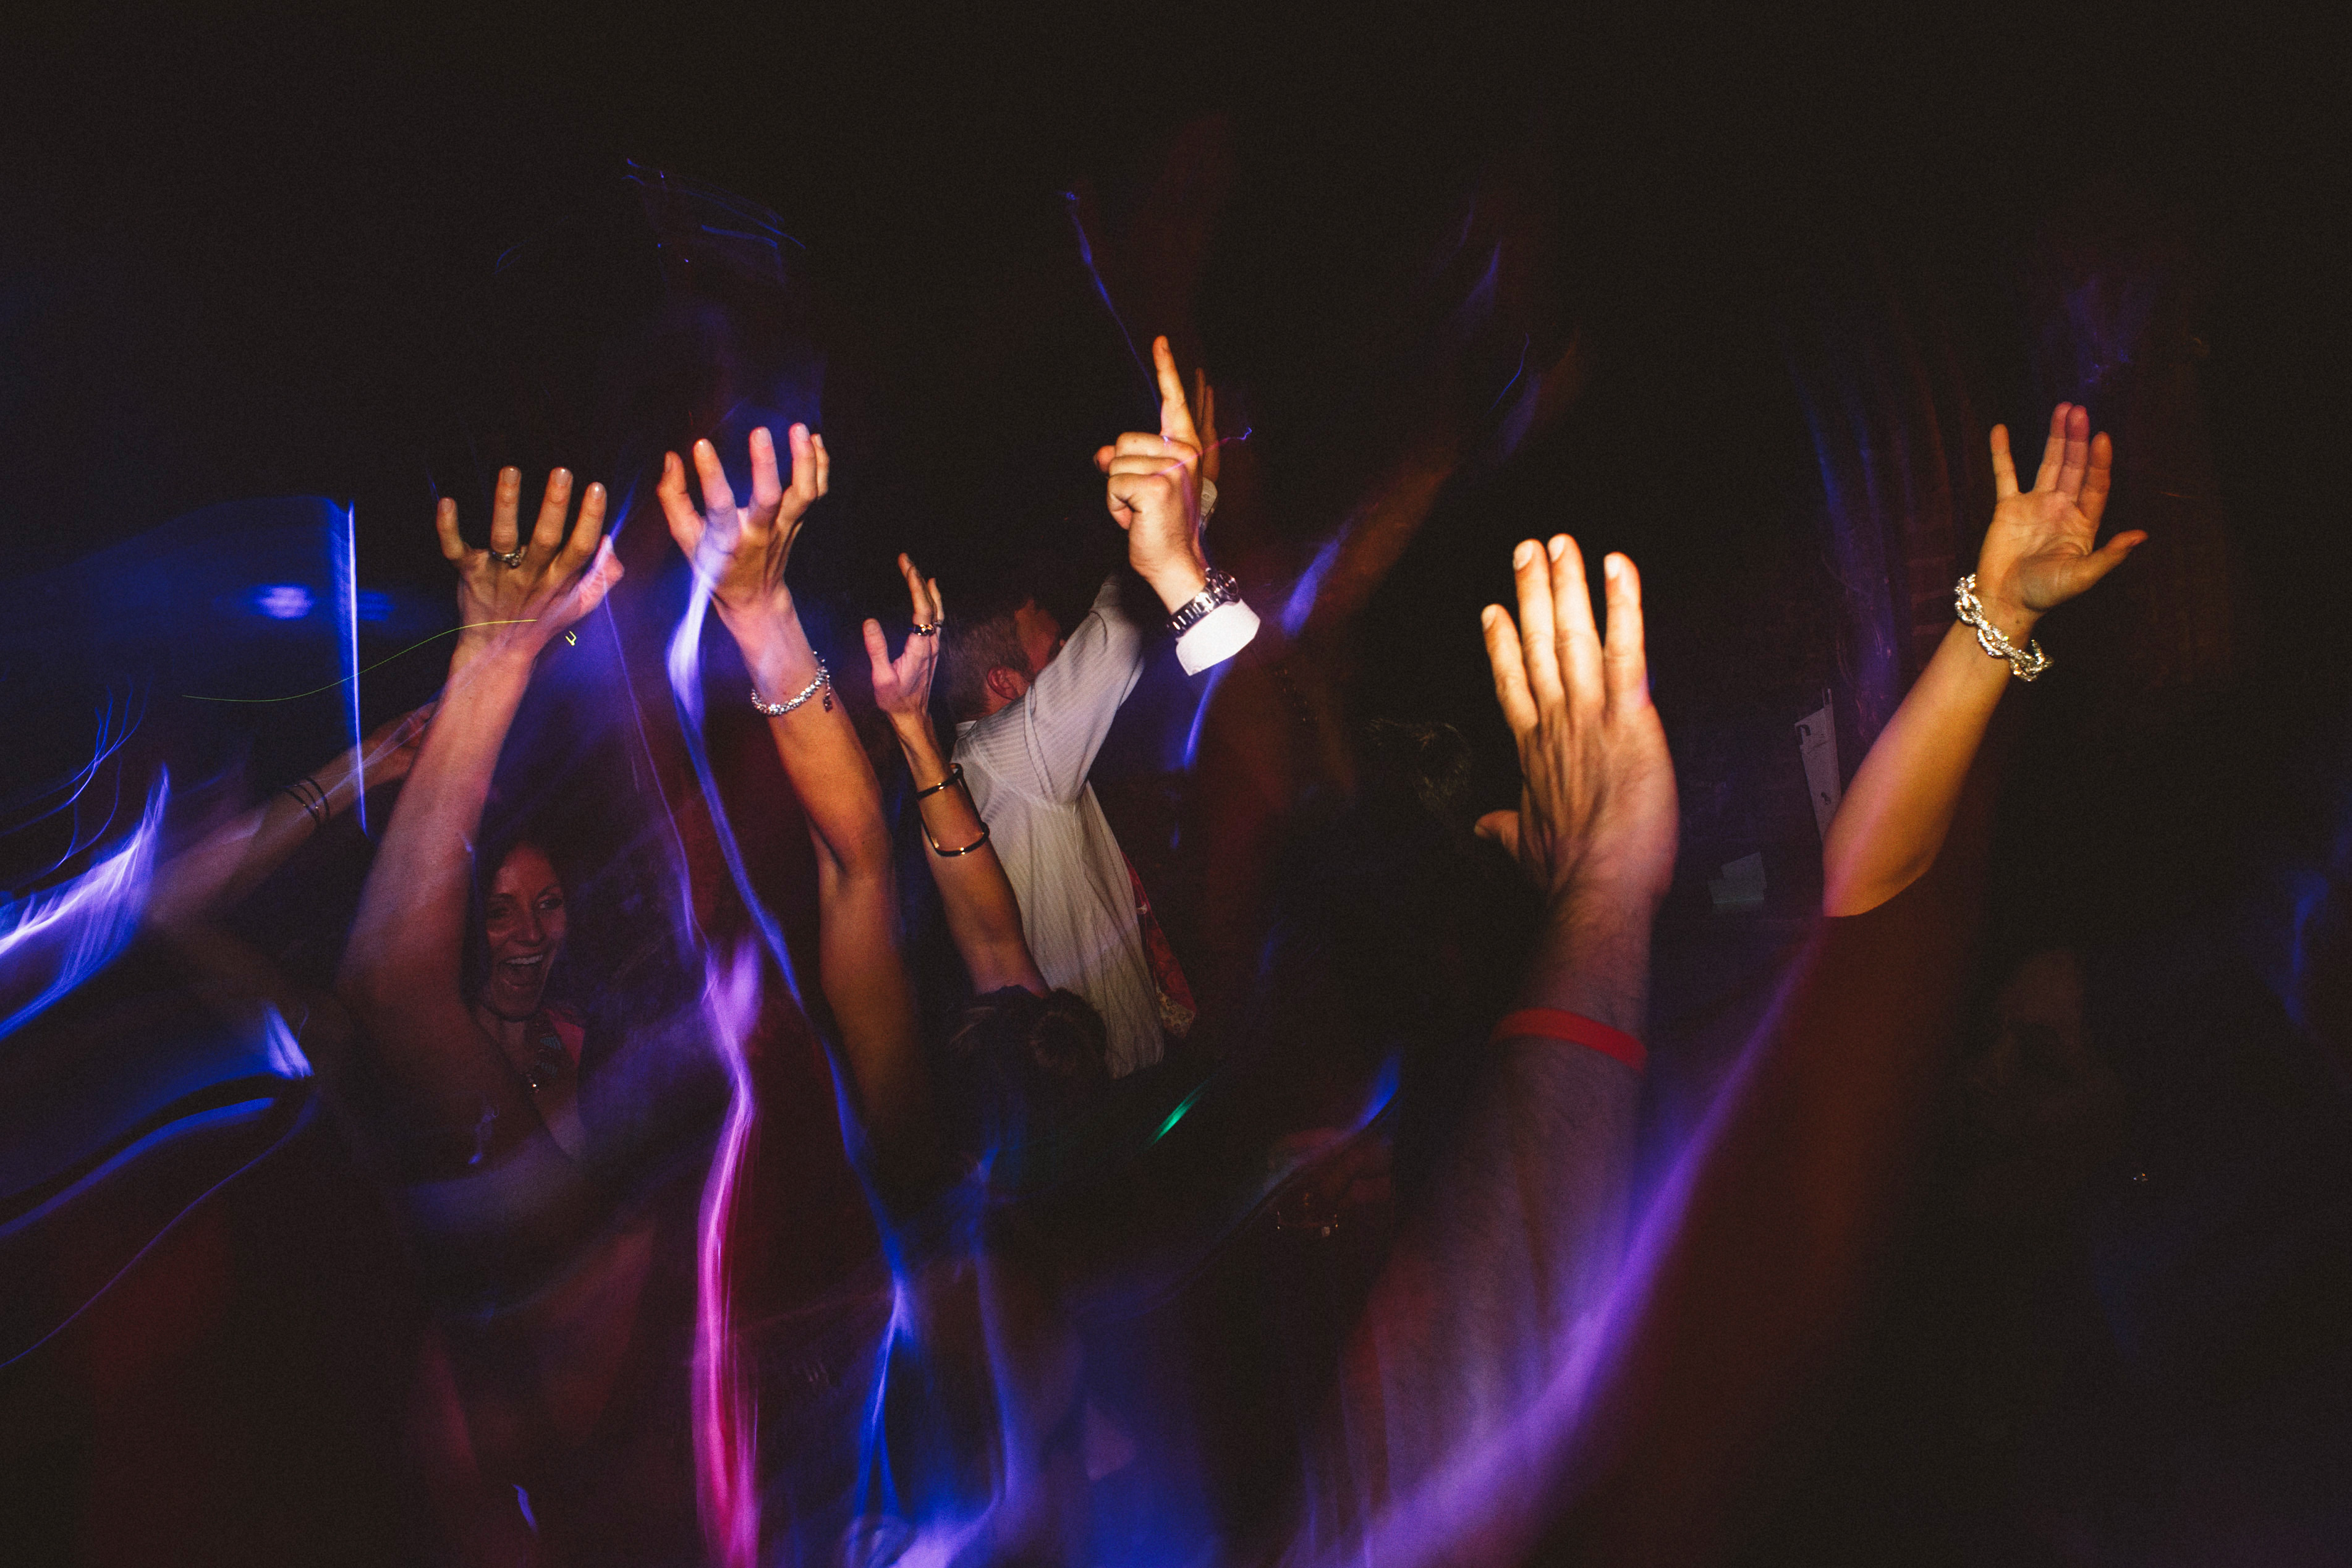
(1175, 413)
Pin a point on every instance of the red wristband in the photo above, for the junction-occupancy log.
(1556, 1023)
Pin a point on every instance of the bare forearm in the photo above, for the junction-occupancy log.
(864, 977)
(1592, 957)
(818, 745)
(1895, 815)
(235, 858)
(984, 916)
(407, 934)
(1500, 1279)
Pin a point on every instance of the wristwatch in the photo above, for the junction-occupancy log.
(1222, 590)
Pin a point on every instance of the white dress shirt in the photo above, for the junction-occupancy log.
(1027, 765)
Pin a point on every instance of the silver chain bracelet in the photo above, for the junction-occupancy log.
(823, 683)
(2026, 663)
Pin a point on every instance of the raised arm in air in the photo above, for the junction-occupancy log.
(984, 916)
(2038, 553)
(743, 552)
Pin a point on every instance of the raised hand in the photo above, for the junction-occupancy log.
(902, 687)
(1597, 808)
(1154, 490)
(2038, 552)
(517, 596)
(743, 549)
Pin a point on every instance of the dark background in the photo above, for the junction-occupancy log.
(374, 257)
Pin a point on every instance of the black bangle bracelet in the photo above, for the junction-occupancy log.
(317, 808)
(950, 854)
(955, 776)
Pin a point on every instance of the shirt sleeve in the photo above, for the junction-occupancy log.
(1216, 637)
(1045, 745)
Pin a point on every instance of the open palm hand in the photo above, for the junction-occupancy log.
(902, 687)
(743, 549)
(2041, 546)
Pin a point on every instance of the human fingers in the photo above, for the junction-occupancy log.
(718, 495)
(506, 501)
(445, 523)
(2004, 469)
(1144, 444)
(823, 464)
(1204, 420)
(1130, 493)
(2087, 571)
(1625, 659)
(2077, 455)
(767, 488)
(915, 597)
(1539, 636)
(1579, 640)
(587, 530)
(939, 604)
(878, 654)
(602, 573)
(554, 503)
(1137, 462)
(1510, 669)
(2053, 449)
(1501, 828)
(805, 454)
(1175, 413)
(678, 507)
(2099, 477)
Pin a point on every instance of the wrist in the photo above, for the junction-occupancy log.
(1178, 582)
(1593, 954)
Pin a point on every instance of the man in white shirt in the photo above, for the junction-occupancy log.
(1031, 710)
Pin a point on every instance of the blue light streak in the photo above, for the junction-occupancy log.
(69, 932)
(347, 594)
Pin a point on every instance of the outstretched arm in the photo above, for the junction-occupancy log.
(743, 552)
(401, 969)
(1498, 1282)
(984, 916)
(2038, 553)
(218, 870)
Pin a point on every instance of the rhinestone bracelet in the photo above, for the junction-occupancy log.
(823, 683)
(2026, 663)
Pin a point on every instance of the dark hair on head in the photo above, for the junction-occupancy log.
(969, 649)
(1019, 1065)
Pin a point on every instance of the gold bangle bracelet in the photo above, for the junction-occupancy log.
(955, 776)
(950, 854)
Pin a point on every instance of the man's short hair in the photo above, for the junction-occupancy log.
(972, 644)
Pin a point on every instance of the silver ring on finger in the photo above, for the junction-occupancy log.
(926, 629)
(510, 558)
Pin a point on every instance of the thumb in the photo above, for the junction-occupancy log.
(602, 573)
(1501, 828)
(877, 651)
(2105, 560)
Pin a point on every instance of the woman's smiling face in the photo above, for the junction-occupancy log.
(524, 922)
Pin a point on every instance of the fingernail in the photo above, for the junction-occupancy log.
(1486, 616)
(1524, 553)
(1559, 546)
(1612, 569)
(596, 492)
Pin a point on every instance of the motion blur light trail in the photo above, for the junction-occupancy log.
(51, 942)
